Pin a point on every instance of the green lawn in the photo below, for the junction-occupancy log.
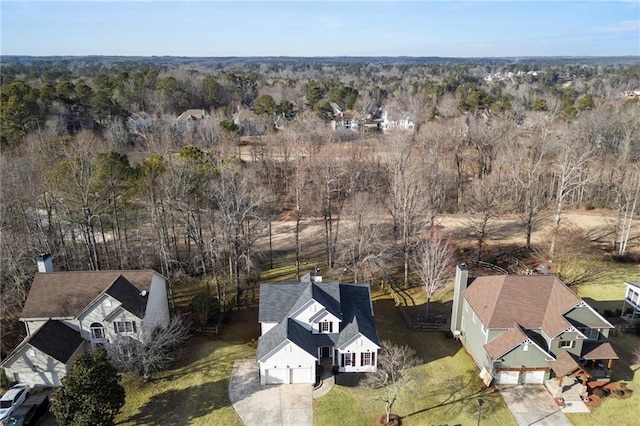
(195, 391)
(445, 390)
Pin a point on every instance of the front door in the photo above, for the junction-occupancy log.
(325, 352)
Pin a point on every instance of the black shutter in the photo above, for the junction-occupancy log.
(115, 327)
(361, 358)
(133, 323)
(330, 327)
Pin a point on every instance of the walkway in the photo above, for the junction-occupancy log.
(259, 405)
(533, 405)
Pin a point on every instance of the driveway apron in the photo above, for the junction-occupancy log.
(271, 404)
(533, 405)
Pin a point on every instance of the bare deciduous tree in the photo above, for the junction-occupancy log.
(433, 260)
(156, 350)
(484, 200)
(393, 373)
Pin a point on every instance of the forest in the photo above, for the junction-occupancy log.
(97, 170)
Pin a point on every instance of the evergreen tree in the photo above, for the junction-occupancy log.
(90, 394)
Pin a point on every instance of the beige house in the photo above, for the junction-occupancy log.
(70, 312)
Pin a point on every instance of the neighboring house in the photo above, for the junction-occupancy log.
(71, 312)
(631, 93)
(631, 302)
(523, 329)
(404, 122)
(250, 123)
(313, 322)
(192, 115)
(347, 120)
(139, 123)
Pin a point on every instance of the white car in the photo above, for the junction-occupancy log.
(12, 400)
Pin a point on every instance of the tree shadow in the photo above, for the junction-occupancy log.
(182, 406)
(464, 396)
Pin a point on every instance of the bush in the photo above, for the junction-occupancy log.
(608, 313)
(601, 392)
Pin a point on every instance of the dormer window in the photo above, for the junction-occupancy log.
(325, 327)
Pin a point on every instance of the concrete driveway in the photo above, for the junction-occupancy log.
(533, 405)
(268, 405)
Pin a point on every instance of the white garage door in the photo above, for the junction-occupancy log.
(301, 375)
(508, 377)
(535, 376)
(276, 376)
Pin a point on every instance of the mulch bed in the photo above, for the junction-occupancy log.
(350, 380)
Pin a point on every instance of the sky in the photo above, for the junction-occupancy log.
(327, 28)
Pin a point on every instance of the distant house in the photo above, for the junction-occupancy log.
(310, 322)
(346, 120)
(404, 122)
(527, 329)
(67, 313)
(139, 122)
(631, 93)
(192, 115)
(249, 123)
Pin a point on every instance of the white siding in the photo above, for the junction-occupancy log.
(356, 347)
(303, 315)
(157, 312)
(288, 356)
(36, 368)
(266, 326)
(97, 312)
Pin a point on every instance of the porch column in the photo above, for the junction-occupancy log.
(609, 364)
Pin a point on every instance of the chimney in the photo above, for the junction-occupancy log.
(459, 286)
(316, 276)
(45, 263)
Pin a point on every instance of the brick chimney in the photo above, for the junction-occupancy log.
(45, 263)
(459, 286)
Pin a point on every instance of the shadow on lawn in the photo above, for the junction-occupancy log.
(467, 402)
(175, 407)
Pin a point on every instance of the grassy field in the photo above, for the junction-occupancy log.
(445, 390)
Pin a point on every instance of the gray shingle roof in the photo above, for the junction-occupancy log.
(128, 295)
(57, 340)
(349, 302)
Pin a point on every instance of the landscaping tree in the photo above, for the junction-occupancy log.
(433, 259)
(157, 349)
(393, 374)
(90, 394)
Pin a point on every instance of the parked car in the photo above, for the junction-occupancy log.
(11, 400)
(30, 411)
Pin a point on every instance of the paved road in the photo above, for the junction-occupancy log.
(533, 405)
(268, 405)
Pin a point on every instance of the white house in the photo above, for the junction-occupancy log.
(631, 302)
(404, 122)
(67, 313)
(309, 322)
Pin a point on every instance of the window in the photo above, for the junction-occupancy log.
(566, 344)
(325, 327)
(346, 359)
(97, 330)
(475, 318)
(125, 327)
(367, 358)
(525, 348)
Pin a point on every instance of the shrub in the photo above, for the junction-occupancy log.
(608, 313)
(601, 392)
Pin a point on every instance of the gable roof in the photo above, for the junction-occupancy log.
(533, 301)
(192, 114)
(286, 330)
(349, 302)
(505, 342)
(67, 294)
(565, 364)
(131, 298)
(598, 350)
(55, 339)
